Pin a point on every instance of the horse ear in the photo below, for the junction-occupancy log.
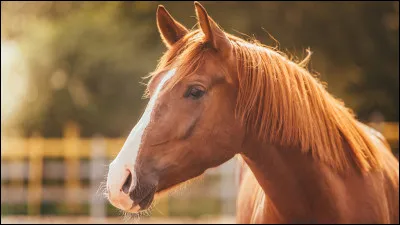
(213, 33)
(170, 30)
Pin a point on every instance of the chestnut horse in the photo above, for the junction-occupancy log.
(214, 96)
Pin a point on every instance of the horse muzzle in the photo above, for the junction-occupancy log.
(126, 193)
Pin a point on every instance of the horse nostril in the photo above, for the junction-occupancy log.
(127, 184)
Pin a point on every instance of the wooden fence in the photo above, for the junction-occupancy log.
(99, 151)
(71, 149)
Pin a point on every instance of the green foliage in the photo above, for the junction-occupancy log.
(86, 59)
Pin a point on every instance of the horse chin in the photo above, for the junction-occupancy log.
(147, 201)
(144, 204)
(156, 192)
(142, 201)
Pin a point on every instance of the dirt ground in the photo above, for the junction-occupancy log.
(112, 220)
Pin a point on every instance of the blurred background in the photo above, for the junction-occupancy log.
(71, 92)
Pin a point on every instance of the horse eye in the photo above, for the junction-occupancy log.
(194, 92)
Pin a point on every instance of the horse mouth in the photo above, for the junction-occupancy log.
(144, 202)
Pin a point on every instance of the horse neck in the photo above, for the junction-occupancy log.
(295, 185)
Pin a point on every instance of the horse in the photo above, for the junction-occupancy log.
(214, 96)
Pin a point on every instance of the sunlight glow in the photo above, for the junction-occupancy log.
(13, 79)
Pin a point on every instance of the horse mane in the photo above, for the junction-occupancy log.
(282, 103)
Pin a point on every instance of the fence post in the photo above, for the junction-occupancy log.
(35, 147)
(72, 176)
(97, 173)
(16, 172)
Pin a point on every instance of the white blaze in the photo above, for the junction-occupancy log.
(127, 156)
